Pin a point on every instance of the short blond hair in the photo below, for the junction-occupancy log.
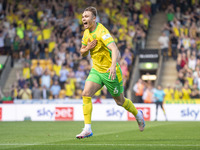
(93, 10)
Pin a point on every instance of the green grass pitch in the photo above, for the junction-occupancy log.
(107, 136)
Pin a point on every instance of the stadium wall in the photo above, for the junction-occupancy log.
(101, 112)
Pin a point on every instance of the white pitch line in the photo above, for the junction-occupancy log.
(32, 144)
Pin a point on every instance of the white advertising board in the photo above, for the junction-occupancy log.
(101, 112)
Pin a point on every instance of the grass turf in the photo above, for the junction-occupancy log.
(107, 136)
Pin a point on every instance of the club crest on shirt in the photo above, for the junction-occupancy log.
(94, 36)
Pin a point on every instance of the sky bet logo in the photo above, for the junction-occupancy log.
(191, 113)
(0, 113)
(60, 113)
(64, 113)
(114, 112)
(146, 113)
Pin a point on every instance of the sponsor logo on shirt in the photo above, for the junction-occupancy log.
(106, 36)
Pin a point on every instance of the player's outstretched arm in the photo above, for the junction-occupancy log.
(115, 54)
(90, 45)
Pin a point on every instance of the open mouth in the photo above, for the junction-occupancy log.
(85, 23)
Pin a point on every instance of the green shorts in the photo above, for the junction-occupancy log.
(114, 87)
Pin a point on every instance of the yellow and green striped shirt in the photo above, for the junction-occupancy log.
(101, 55)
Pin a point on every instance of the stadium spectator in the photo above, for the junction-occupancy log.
(169, 92)
(138, 88)
(42, 47)
(125, 72)
(128, 56)
(174, 44)
(36, 92)
(8, 43)
(178, 84)
(177, 93)
(27, 72)
(148, 96)
(153, 6)
(186, 92)
(33, 49)
(14, 90)
(192, 62)
(2, 39)
(69, 90)
(46, 79)
(45, 92)
(164, 45)
(140, 38)
(5, 97)
(25, 93)
(21, 80)
(184, 60)
(194, 92)
(63, 76)
(11, 32)
(37, 72)
(55, 89)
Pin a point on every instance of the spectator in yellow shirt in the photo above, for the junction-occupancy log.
(27, 72)
(195, 92)
(189, 78)
(25, 93)
(177, 94)
(169, 92)
(186, 92)
(69, 90)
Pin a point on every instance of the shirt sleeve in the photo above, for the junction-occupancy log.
(84, 39)
(106, 37)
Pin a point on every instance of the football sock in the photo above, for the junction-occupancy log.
(88, 127)
(128, 105)
(87, 109)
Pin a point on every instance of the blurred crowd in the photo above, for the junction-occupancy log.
(45, 36)
(180, 39)
(145, 92)
(181, 36)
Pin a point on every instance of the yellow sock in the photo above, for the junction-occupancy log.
(87, 109)
(128, 105)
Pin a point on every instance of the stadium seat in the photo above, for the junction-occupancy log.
(49, 62)
(34, 62)
(32, 68)
(43, 66)
(42, 62)
(49, 67)
(62, 94)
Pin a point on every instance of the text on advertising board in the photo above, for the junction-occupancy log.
(0, 113)
(64, 113)
(146, 112)
(191, 113)
(114, 112)
(45, 112)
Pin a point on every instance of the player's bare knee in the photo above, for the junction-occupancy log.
(119, 103)
(119, 100)
(86, 93)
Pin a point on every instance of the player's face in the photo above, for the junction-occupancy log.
(88, 19)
